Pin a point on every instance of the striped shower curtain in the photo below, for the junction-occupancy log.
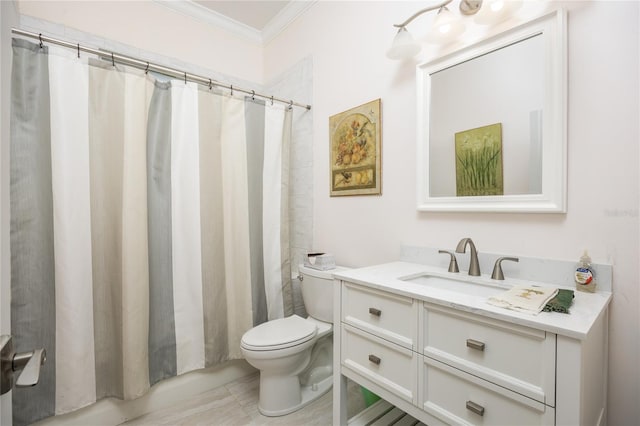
(149, 226)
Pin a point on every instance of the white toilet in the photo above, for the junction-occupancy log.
(294, 355)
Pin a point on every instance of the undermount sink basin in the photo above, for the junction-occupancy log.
(472, 286)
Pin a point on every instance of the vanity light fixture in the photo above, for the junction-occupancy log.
(446, 25)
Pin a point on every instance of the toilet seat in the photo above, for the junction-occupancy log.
(279, 334)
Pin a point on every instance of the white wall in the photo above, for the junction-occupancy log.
(348, 40)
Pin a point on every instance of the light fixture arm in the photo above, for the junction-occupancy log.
(420, 12)
(467, 7)
(445, 25)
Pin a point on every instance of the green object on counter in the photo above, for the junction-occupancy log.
(370, 398)
(561, 302)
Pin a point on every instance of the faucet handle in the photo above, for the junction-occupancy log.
(453, 263)
(497, 268)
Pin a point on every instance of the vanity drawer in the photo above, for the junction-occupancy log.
(391, 366)
(512, 356)
(459, 398)
(390, 316)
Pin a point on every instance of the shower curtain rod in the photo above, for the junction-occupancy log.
(149, 66)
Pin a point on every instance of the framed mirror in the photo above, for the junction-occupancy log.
(492, 123)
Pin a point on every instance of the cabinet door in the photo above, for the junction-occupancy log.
(516, 357)
(389, 365)
(392, 317)
(458, 398)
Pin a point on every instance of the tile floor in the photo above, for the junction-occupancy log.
(236, 403)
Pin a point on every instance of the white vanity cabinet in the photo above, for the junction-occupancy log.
(492, 372)
(446, 361)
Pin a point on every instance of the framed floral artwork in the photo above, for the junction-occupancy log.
(355, 151)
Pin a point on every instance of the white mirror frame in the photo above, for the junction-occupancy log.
(552, 27)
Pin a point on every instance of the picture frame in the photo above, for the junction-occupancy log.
(355, 151)
(479, 169)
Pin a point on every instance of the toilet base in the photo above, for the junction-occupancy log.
(308, 395)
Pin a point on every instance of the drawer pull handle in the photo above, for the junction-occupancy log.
(374, 359)
(374, 311)
(474, 344)
(476, 408)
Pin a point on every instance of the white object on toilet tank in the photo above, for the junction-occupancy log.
(321, 261)
(317, 291)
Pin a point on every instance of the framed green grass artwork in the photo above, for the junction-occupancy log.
(479, 161)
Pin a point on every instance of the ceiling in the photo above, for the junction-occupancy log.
(255, 14)
(258, 21)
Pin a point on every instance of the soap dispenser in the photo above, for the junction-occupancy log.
(584, 277)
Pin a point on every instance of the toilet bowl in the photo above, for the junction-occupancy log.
(295, 354)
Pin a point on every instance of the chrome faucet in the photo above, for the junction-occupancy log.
(474, 266)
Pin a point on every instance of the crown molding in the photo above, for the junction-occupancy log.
(286, 16)
(208, 16)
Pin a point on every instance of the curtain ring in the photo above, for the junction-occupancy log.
(290, 104)
(78, 50)
(40, 37)
(210, 85)
(232, 90)
(271, 100)
(113, 61)
(253, 95)
(185, 77)
(146, 70)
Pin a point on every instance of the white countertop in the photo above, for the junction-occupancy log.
(583, 313)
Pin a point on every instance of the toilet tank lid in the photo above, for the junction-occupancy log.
(326, 274)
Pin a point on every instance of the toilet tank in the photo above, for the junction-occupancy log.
(317, 291)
